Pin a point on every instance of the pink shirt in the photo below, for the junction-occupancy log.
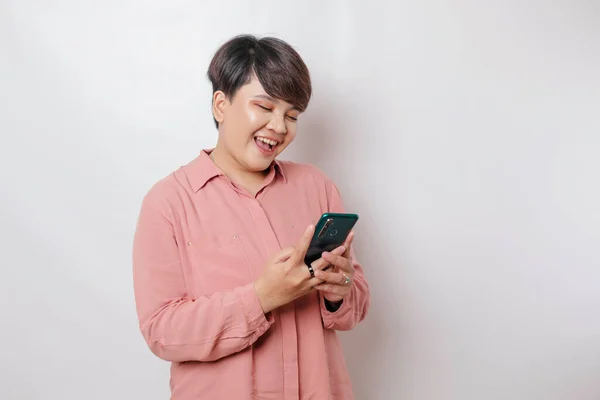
(199, 245)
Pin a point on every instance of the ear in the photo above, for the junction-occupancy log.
(219, 106)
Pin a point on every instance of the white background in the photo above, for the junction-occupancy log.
(466, 134)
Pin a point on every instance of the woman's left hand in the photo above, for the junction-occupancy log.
(337, 281)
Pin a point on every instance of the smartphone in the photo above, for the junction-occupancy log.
(331, 231)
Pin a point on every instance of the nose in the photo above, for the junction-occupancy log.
(277, 125)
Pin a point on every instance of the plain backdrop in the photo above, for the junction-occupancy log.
(465, 133)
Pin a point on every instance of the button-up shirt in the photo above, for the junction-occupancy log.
(200, 243)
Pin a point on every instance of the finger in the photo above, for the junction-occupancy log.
(332, 288)
(313, 282)
(348, 244)
(332, 277)
(284, 255)
(321, 263)
(304, 242)
(339, 261)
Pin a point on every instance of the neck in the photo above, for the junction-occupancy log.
(237, 173)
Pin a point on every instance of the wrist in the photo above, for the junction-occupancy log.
(264, 298)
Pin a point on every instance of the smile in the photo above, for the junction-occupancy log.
(265, 145)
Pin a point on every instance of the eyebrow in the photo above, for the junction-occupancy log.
(269, 98)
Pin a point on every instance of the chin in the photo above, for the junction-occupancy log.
(259, 161)
(258, 165)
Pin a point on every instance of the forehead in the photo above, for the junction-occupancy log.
(254, 90)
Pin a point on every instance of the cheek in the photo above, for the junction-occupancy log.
(255, 120)
(244, 123)
(290, 135)
(252, 117)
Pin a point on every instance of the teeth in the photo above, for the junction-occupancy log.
(271, 142)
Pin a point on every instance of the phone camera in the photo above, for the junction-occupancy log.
(325, 227)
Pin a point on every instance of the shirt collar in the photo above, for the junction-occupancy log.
(202, 169)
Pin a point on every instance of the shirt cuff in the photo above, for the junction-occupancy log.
(332, 306)
(257, 320)
(335, 312)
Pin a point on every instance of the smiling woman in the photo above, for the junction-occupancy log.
(277, 66)
(260, 86)
(221, 285)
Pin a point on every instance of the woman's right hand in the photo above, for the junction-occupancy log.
(287, 277)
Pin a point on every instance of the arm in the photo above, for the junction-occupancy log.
(354, 307)
(177, 326)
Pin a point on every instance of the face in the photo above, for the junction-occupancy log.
(254, 128)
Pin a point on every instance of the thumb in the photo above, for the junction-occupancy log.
(284, 255)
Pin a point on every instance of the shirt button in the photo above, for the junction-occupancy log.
(189, 243)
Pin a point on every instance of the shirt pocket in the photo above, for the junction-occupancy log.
(220, 262)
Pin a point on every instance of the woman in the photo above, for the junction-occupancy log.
(220, 284)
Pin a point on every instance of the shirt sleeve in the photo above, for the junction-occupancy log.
(177, 326)
(355, 306)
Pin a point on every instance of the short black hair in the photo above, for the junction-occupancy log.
(277, 65)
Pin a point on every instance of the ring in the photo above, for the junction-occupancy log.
(311, 270)
(347, 281)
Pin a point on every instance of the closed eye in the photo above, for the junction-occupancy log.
(292, 118)
(264, 108)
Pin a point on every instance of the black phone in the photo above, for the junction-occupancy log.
(331, 231)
